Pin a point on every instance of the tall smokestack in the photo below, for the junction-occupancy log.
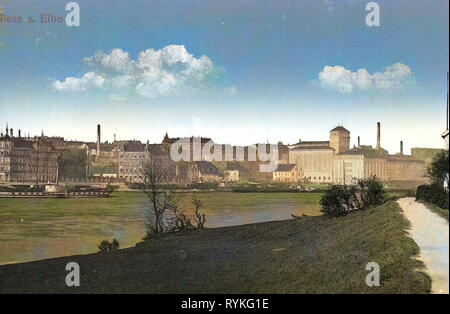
(401, 147)
(114, 137)
(359, 142)
(98, 141)
(378, 134)
(19, 134)
(11, 131)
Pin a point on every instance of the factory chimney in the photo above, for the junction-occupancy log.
(19, 134)
(378, 135)
(11, 131)
(401, 147)
(98, 142)
(359, 142)
(114, 137)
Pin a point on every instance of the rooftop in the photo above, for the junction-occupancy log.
(340, 129)
(285, 167)
(318, 147)
(206, 167)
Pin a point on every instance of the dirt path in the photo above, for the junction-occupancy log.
(430, 232)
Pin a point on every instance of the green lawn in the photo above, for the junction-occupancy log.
(307, 255)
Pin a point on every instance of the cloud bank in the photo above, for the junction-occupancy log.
(345, 81)
(170, 71)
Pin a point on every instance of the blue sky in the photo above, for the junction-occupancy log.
(271, 70)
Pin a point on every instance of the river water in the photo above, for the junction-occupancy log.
(34, 229)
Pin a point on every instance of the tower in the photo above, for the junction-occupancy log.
(98, 142)
(340, 139)
(378, 135)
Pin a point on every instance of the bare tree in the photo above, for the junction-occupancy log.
(162, 195)
(198, 218)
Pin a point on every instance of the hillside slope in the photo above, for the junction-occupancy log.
(307, 255)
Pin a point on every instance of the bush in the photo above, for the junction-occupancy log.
(439, 168)
(434, 194)
(342, 199)
(339, 200)
(372, 192)
(106, 246)
(181, 222)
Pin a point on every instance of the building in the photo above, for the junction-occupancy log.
(425, 154)
(203, 171)
(286, 173)
(132, 157)
(26, 161)
(231, 175)
(334, 162)
(314, 160)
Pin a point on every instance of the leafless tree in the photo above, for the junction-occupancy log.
(162, 195)
(198, 218)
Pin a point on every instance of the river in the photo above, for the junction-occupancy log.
(34, 229)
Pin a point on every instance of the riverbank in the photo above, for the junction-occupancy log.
(306, 255)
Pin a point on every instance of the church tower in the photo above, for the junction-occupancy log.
(340, 139)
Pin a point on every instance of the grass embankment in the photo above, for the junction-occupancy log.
(307, 255)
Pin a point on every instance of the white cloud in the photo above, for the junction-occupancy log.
(343, 80)
(171, 71)
(88, 80)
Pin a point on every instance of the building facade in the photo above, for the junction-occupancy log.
(286, 173)
(132, 158)
(334, 162)
(27, 161)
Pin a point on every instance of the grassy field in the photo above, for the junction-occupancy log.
(307, 255)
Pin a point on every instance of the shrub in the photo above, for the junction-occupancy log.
(372, 192)
(339, 200)
(198, 218)
(106, 246)
(434, 194)
(181, 222)
(438, 169)
(342, 199)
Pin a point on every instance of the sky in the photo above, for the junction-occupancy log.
(239, 72)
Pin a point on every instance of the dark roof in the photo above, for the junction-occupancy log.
(285, 167)
(106, 147)
(22, 143)
(206, 167)
(135, 146)
(236, 166)
(367, 152)
(341, 129)
(307, 143)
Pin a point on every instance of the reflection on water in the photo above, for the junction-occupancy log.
(33, 229)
